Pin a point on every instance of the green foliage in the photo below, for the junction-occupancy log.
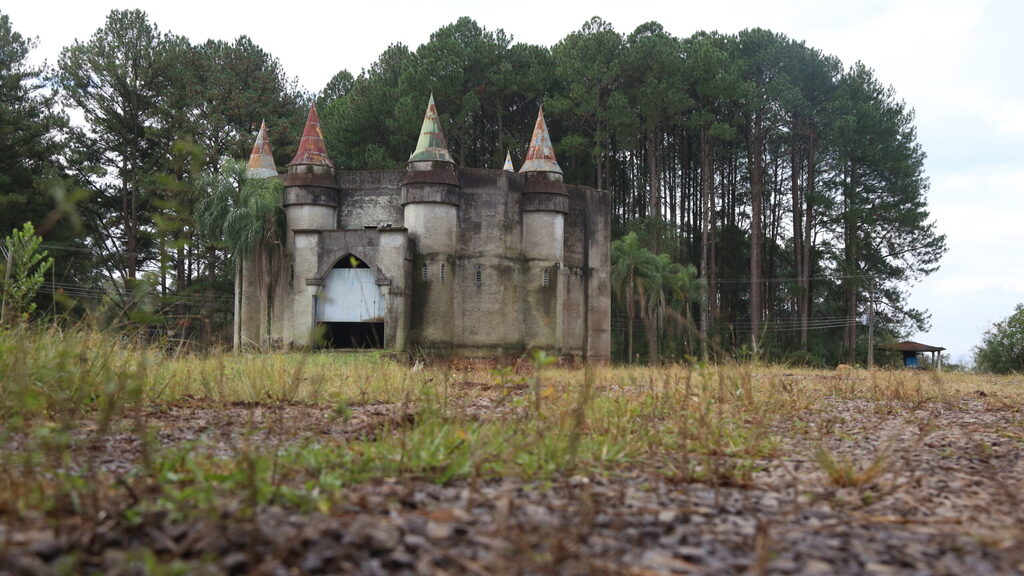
(487, 90)
(792, 184)
(339, 85)
(243, 213)
(653, 287)
(24, 268)
(29, 128)
(35, 185)
(1002, 346)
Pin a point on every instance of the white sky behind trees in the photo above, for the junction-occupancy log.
(954, 61)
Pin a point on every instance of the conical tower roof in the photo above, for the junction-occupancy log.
(508, 167)
(540, 156)
(261, 161)
(312, 150)
(431, 147)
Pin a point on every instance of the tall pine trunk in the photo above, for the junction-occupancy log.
(808, 242)
(756, 163)
(705, 193)
(850, 261)
(798, 232)
(655, 186)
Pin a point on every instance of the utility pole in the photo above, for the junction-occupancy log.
(871, 327)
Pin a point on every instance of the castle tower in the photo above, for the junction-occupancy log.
(431, 195)
(250, 315)
(310, 203)
(545, 204)
(310, 191)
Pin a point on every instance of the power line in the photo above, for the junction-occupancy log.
(781, 279)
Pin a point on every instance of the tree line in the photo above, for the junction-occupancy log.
(792, 184)
(787, 189)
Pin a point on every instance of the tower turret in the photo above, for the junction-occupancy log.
(431, 195)
(311, 204)
(261, 161)
(545, 203)
(310, 190)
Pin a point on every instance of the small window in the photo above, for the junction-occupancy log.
(479, 274)
(442, 271)
(546, 278)
(423, 272)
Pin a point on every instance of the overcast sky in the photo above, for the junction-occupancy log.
(955, 62)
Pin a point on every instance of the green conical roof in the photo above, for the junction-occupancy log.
(431, 147)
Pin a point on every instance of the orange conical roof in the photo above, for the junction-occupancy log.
(540, 156)
(261, 161)
(431, 146)
(312, 149)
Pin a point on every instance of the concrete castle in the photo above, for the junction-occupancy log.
(434, 258)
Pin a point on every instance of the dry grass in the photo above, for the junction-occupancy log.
(84, 432)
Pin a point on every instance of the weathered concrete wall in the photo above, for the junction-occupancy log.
(369, 198)
(251, 304)
(492, 297)
(574, 265)
(488, 298)
(280, 310)
(543, 246)
(435, 227)
(310, 217)
(431, 196)
(299, 328)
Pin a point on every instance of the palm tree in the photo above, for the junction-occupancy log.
(680, 287)
(245, 215)
(657, 286)
(631, 263)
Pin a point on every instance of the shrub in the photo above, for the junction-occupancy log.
(1002, 347)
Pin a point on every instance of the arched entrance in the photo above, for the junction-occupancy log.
(350, 307)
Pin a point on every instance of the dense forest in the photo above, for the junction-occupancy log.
(766, 197)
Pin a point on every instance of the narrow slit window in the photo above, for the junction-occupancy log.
(546, 278)
(424, 272)
(442, 271)
(479, 274)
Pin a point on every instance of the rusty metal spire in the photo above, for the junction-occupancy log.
(508, 167)
(540, 156)
(261, 161)
(431, 146)
(312, 150)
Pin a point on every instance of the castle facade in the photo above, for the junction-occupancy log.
(433, 259)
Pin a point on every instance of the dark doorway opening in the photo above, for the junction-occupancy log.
(349, 262)
(358, 335)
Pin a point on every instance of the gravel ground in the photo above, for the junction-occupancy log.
(945, 500)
